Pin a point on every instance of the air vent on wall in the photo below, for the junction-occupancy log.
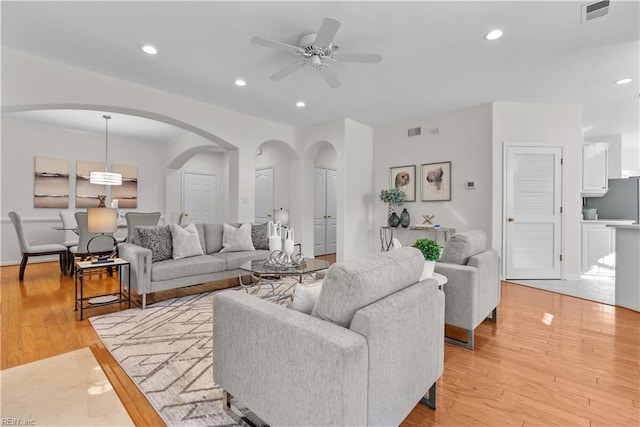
(594, 10)
(415, 131)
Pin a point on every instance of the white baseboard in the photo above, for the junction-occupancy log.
(572, 277)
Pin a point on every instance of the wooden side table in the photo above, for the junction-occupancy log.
(85, 302)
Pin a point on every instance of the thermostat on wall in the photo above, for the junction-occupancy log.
(470, 185)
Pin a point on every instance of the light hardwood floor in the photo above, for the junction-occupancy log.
(550, 360)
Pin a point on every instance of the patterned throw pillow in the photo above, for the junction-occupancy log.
(156, 239)
(259, 236)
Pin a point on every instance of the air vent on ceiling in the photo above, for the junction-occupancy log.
(594, 10)
(415, 131)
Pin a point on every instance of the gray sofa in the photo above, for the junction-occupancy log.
(368, 353)
(148, 277)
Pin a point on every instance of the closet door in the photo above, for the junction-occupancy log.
(319, 209)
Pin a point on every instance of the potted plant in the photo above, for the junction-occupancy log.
(431, 252)
(393, 197)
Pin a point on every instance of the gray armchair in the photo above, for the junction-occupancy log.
(472, 292)
(369, 352)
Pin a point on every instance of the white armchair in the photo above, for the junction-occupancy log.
(472, 292)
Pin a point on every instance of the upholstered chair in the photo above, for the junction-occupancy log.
(367, 355)
(138, 219)
(472, 291)
(29, 250)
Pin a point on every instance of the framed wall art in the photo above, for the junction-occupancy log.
(51, 183)
(404, 178)
(436, 182)
(127, 193)
(87, 194)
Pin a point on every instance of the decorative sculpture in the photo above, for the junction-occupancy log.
(427, 219)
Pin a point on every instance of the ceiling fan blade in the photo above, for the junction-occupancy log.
(275, 45)
(329, 77)
(288, 70)
(327, 32)
(368, 58)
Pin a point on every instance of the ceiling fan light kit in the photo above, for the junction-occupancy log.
(317, 50)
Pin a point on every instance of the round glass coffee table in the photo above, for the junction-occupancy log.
(267, 275)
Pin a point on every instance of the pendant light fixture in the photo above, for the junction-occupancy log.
(106, 177)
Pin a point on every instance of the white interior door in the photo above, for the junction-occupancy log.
(319, 209)
(200, 197)
(264, 195)
(332, 212)
(533, 212)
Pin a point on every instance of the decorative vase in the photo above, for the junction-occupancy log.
(405, 219)
(274, 231)
(288, 243)
(394, 220)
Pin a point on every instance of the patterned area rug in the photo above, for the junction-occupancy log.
(166, 349)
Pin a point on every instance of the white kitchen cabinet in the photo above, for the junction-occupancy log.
(598, 249)
(594, 169)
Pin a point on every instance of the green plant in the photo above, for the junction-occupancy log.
(429, 248)
(393, 196)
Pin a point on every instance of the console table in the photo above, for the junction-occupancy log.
(388, 233)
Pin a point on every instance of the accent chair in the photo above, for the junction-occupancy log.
(472, 292)
(27, 250)
(371, 349)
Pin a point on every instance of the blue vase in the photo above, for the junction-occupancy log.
(394, 220)
(405, 219)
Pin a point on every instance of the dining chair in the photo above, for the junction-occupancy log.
(70, 229)
(28, 250)
(137, 219)
(103, 244)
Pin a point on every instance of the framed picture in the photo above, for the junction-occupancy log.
(51, 183)
(404, 178)
(127, 193)
(436, 182)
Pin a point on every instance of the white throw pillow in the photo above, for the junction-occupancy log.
(427, 271)
(186, 241)
(236, 239)
(305, 296)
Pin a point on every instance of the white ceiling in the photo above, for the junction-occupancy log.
(435, 58)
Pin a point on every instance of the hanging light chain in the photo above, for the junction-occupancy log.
(106, 142)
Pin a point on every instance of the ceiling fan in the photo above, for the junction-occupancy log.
(318, 51)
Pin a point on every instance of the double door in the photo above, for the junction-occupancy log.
(325, 213)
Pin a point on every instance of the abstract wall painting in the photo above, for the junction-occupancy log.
(51, 183)
(404, 178)
(87, 193)
(127, 193)
(436, 182)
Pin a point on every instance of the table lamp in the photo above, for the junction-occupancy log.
(103, 221)
(281, 215)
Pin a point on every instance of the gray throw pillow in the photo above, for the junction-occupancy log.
(157, 240)
(259, 236)
(462, 246)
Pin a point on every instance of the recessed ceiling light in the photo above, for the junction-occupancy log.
(493, 35)
(147, 48)
(240, 82)
(300, 104)
(623, 81)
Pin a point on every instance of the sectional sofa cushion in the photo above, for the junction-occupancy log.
(157, 240)
(186, 241)
(351, 285)
(236, 239)
(460, 247)
(236, 259)
(212, 237)
(193, 266)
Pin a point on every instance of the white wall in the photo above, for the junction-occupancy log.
(326, 158)
(22, 141)
(543, 124)
(277, 155)
(464, 139)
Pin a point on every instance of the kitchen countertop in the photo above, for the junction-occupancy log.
(625, 226)
(607, 221)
